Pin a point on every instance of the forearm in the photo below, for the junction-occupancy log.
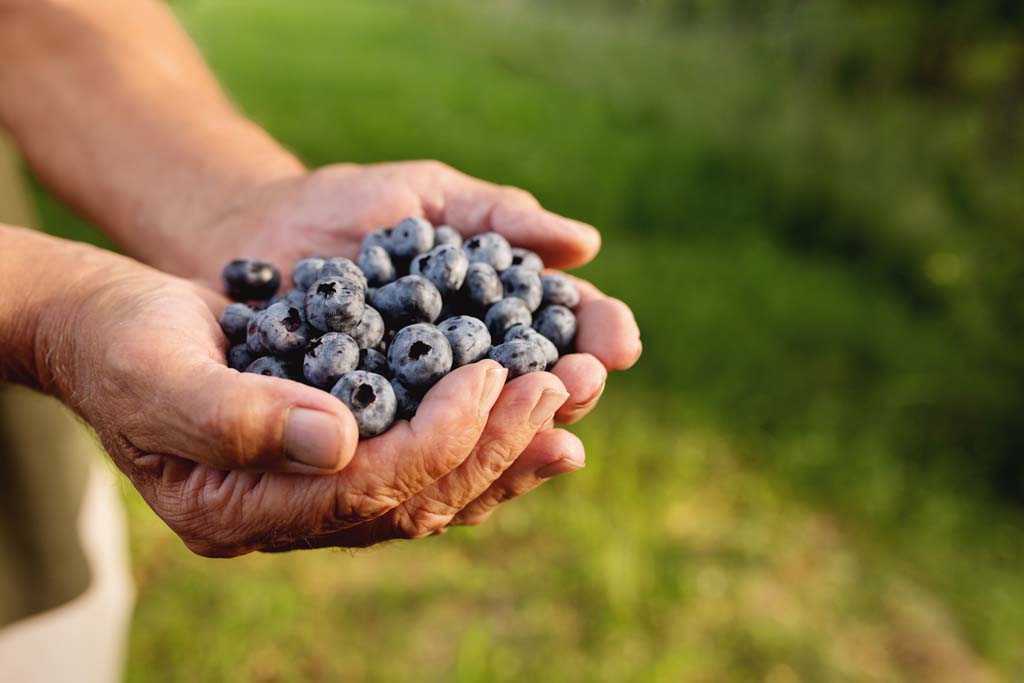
(118, 114)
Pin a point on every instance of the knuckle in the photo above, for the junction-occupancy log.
(520, 196)
(420, 521)
(433, 166)
(358, 506)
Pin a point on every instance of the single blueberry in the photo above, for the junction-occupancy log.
(377, 265)
(373, 360)
(559, 290)
(271, 367)
(282, 329)
(408, 300)
(446, 234)
(445, 266)
(482, 287)
(371, 400)
(335, 304)
(341, 267)
(519, 356)
(527, 333)
(240, 356)
(490, 248)
(558, 324)
(381, 237)
(293, 297)
(234, 320)
(505, 314)
(304, 274)
(250, 280)
(370, 330)
(523, 283)
(408, 400)
(526, 259)
(419, 355)
(469, 338)
(328, 358)
(411, 237)
(253, 338)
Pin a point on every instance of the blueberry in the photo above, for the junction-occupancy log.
(527, 333)
(482, 287)
(445, 266)
(490, 248)
(328, 358)
(523, 283)
(371, 400)
(373, 360)
(446, 234)
(271, 367)
(293, 297)
(381, 237)
(419, 355)
(335, 304)
(408, 400)
(558, 324)
(559, 290)
(377, 265)
(526, 259)
(234, 320)
(408, 300)
(240, 357)
(305, 270)
(341, 267)
(505, 314)
(468, 337)
(250, 280)
(370, 330)
(519, 356)
(282, 329)
(411, 237)
(253, 338)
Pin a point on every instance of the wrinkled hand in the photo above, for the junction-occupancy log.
(236, 462)
(328, 211)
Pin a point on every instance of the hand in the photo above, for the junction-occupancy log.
(236, 462)
(329, 211)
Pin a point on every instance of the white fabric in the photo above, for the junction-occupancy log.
(83, 641)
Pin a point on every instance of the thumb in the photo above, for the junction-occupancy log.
(243, 421)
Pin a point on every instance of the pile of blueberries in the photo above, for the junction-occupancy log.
(379, 333)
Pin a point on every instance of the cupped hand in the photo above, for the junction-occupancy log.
(235, 462)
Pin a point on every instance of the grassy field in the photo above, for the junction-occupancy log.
(810, 476)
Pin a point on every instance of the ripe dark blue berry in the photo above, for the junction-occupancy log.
(381, 237)
(419, 356)
(328, 358)
(408, 300)
(282, 329)
(240, 357)
(411, 237)
(559, 290)
(408, 400)
(527, 333)
(304, 274)
(504, 314)
(526, 259)
(373, 360)
(341, 267)
(271, 367)
(469, 338)
(445, 266)
(370, 330)
(371, 400)
(335, 304)
(377, 265)
(519, 356)
(558, 324)
(482, 287)
(523, 283)
(490, 248)
(446, 234)
(234, 320)
(250, 280)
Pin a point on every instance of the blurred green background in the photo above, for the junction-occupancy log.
(815, 473)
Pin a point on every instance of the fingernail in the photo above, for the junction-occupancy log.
(494, 380)
(550, 401)
(312, 438)
(563, 466)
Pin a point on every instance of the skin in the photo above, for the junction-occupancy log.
(84, 86)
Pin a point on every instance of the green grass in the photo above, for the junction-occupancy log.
(797, 481)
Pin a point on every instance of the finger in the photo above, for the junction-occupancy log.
(551, 453)
(584, 378)
(606, 328)
(475, 206)
(525, 405)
